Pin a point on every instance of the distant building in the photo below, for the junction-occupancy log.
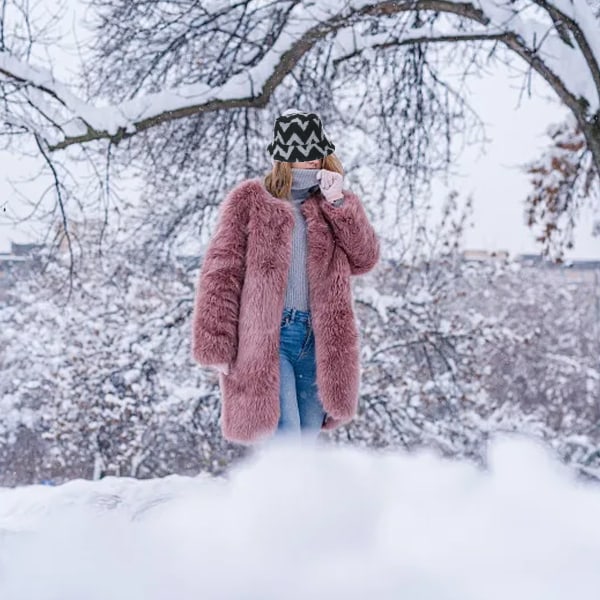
(485, 255)
(571, 270)
(20, 258)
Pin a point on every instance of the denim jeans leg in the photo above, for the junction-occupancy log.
(289, 418)
(310, 406)
(301, 411)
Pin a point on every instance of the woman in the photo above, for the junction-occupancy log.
(274, 312)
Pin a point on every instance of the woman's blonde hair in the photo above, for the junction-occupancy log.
(278, 182)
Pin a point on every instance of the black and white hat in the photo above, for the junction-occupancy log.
(299, 136)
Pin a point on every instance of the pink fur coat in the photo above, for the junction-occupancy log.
(240, 296)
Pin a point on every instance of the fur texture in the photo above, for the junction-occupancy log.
(240, 295)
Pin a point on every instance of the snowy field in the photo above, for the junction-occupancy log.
(312, 522)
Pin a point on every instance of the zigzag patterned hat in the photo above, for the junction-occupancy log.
(299, 137)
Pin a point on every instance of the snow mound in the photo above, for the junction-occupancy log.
(305, 522)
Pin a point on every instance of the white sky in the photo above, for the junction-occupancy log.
(495, 180)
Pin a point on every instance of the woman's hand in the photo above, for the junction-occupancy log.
(222, 368)
(330, 183)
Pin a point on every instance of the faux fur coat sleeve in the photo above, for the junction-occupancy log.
(354, 232)
(219, 286)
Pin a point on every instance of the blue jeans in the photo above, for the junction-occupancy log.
(302, 412)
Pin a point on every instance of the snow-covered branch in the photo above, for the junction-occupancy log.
(571, 69)
(149, 67)
(580, 21)
(562, 179)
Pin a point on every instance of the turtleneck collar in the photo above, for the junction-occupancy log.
(304, 182)
(304, 178)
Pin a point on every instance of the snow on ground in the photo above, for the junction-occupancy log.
(303, 522)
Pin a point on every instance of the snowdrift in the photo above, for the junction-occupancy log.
(306, 522)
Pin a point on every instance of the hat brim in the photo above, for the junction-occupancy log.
(283, 152)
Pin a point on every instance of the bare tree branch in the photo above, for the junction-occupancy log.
(265, 76)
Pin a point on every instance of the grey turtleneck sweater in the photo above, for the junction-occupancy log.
(296, 296)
